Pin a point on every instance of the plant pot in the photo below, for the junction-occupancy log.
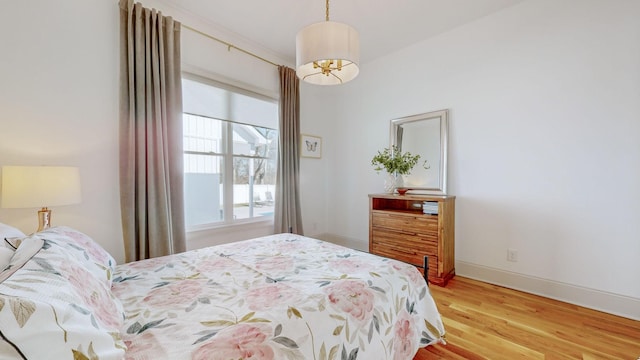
(392, 182)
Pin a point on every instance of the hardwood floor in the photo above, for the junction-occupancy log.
(485, 321)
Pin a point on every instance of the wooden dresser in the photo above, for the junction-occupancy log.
(399, 229)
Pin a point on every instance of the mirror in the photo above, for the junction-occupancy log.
(424, 135)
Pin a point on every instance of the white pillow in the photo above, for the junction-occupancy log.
(83, 248)
(55, 308)
(5, 257)
(29, 246)
(9, 231)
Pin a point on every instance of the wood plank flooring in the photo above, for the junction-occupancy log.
(485, 321)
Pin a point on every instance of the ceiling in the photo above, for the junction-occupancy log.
(384, 25)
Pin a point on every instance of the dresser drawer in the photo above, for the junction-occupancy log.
(424, 244)
(408, 256)
(410, 249)
(409, 223)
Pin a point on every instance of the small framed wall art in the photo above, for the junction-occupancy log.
(311, 146)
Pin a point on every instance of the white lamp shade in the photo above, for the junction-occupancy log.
(327, 40)
(40, 186)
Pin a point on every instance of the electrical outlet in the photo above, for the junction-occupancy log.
(512, 255)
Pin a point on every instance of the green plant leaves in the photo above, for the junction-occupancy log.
(392, 160)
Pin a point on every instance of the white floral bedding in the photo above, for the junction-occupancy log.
(276, 297)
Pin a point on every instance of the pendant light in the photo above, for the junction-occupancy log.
(327, 53)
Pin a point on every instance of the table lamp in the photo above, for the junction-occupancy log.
(40, 186)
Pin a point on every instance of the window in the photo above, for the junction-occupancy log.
(230, 147)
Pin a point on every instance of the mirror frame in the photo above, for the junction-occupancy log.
(443, 117)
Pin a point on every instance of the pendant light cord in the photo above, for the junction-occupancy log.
(327, 16)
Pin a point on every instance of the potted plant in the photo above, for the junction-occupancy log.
(396, 164)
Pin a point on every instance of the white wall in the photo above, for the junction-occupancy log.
(59, 106)
(544, 147)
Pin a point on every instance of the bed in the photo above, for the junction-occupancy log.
(282, 296)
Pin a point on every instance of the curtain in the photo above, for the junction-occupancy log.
(287, 215)
(151, 159)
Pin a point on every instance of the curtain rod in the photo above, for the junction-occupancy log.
(229, 45)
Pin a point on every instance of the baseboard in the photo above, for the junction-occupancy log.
(615, 304)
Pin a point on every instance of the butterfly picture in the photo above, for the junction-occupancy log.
(311, 146)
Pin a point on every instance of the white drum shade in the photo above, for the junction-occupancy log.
(323, 41)
(40, 186)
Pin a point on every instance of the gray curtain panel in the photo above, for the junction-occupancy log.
(287, 215)
(151, 159)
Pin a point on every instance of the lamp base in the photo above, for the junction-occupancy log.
(44, 219)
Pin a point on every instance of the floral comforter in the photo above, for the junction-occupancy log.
(276, 297)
